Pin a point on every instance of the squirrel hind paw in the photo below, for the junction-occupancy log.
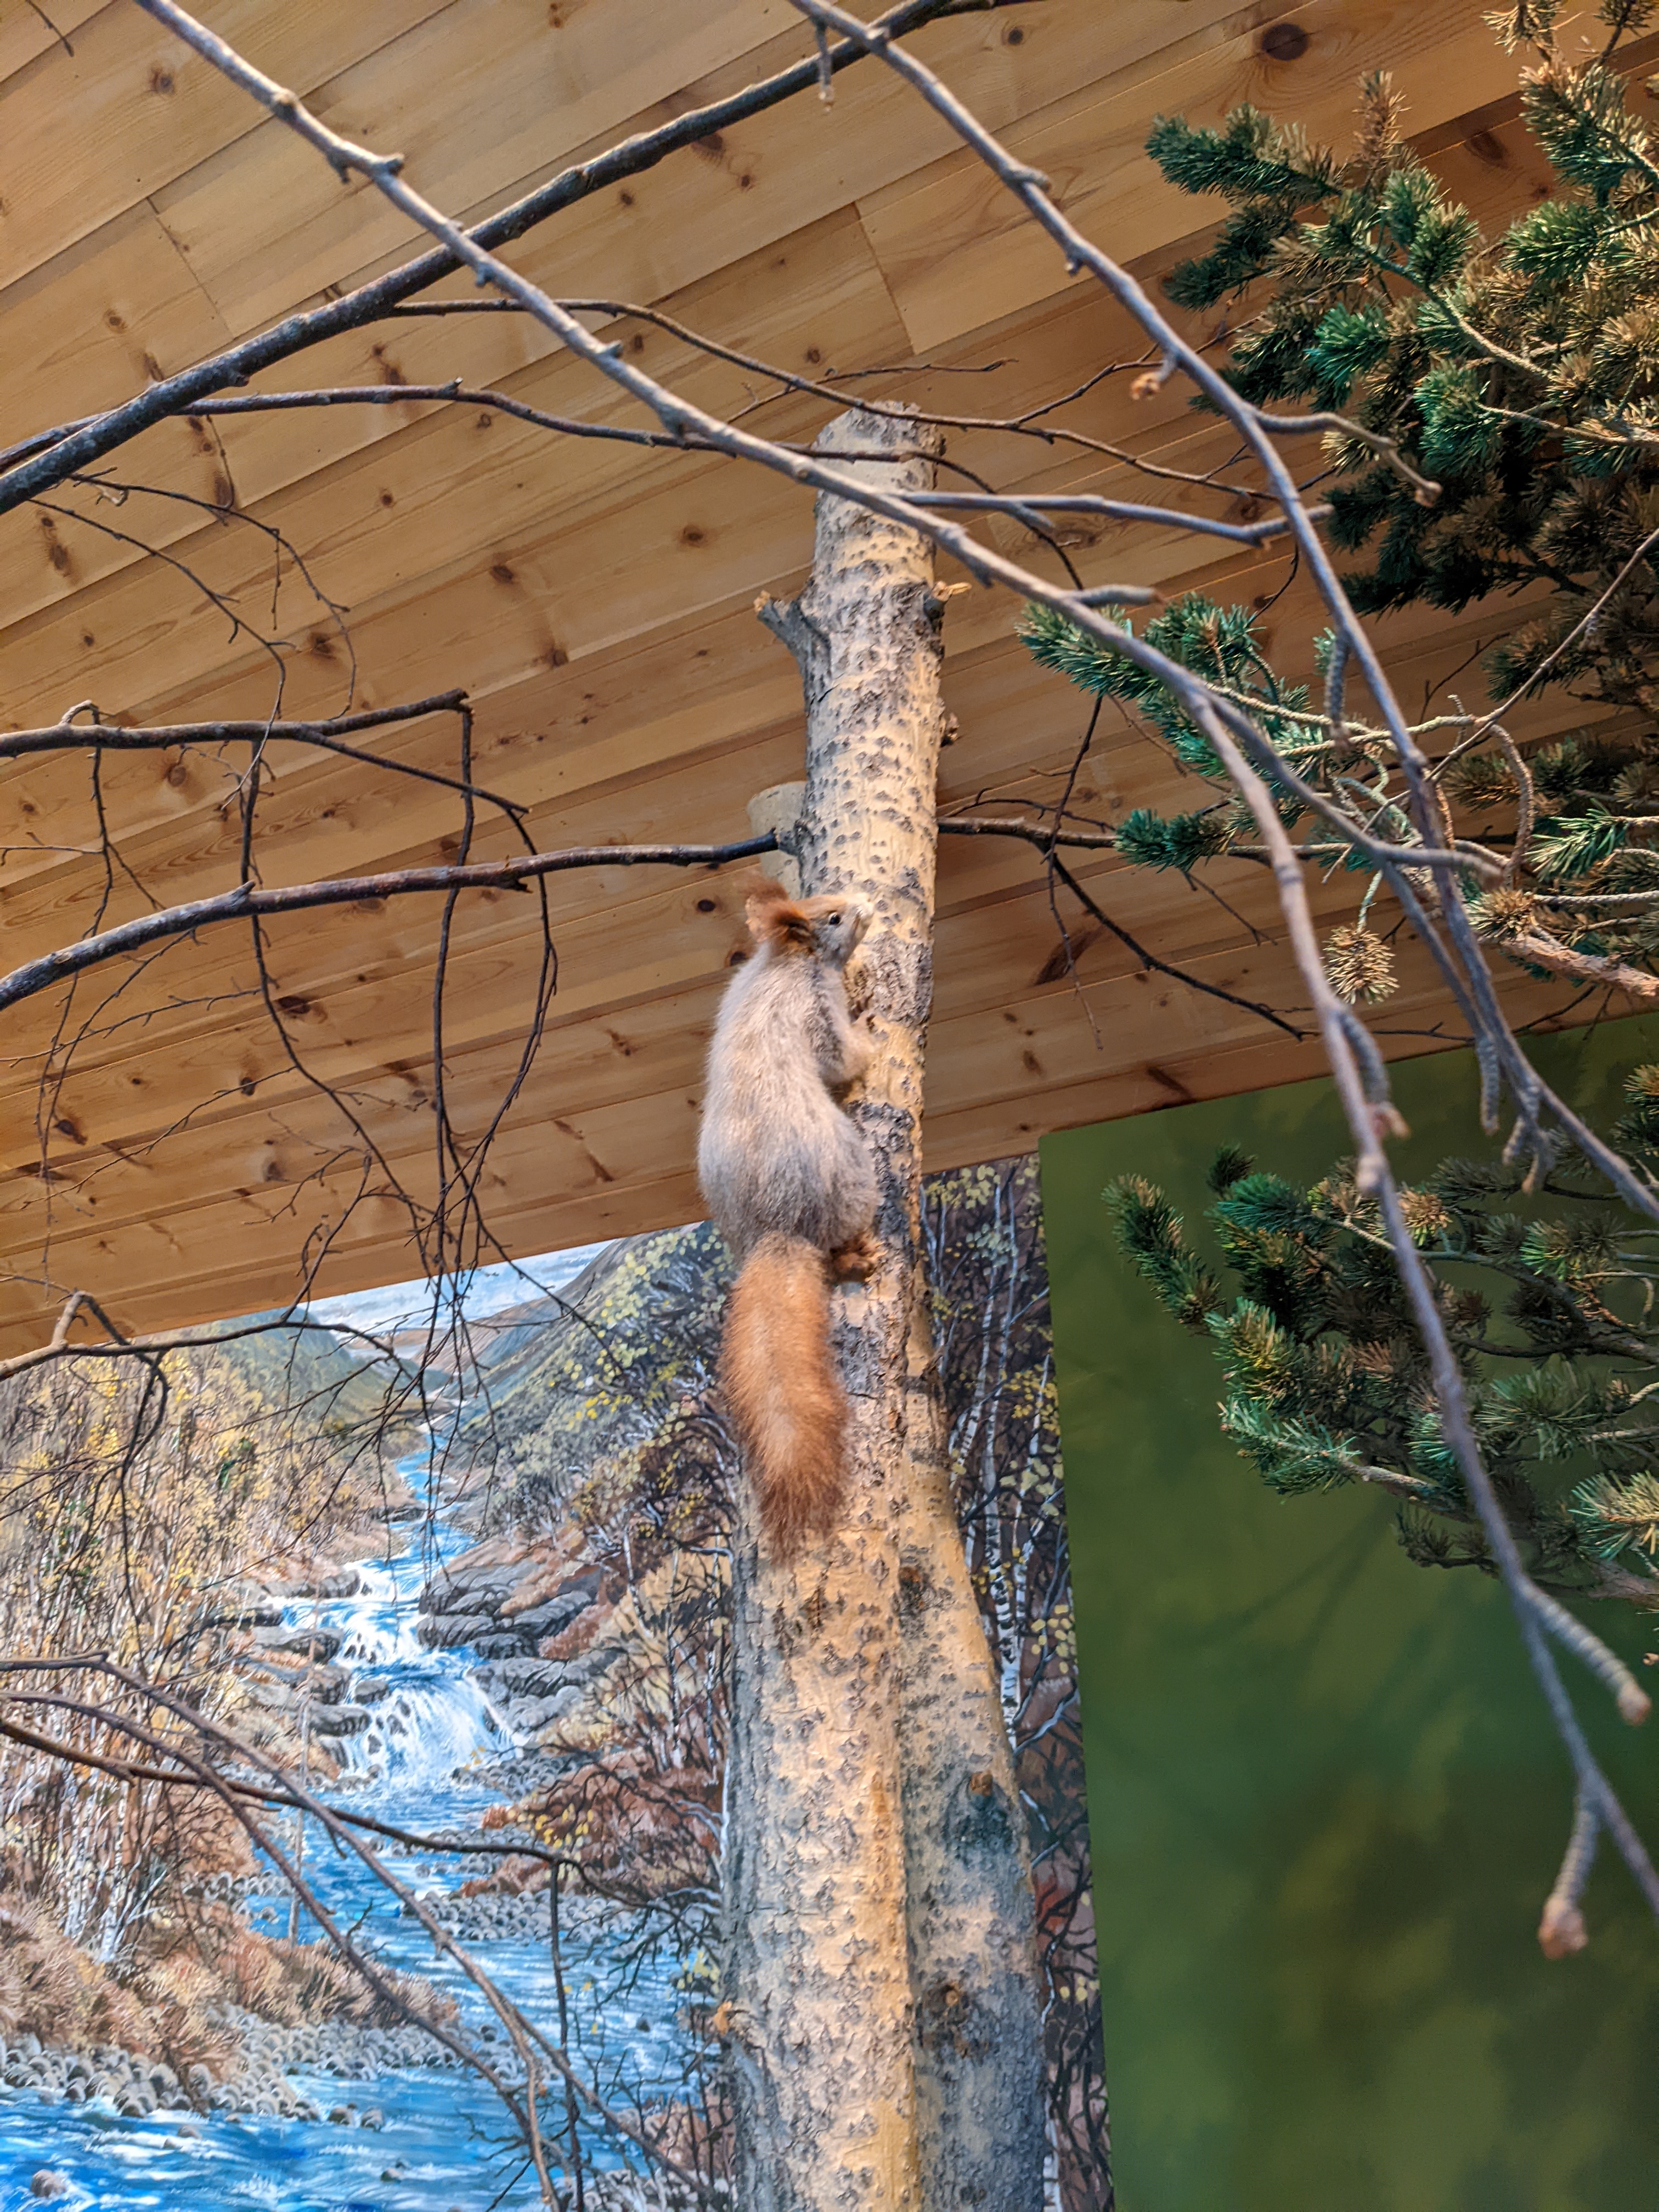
(856, 1261)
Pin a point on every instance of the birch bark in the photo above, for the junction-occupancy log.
(886, 2034)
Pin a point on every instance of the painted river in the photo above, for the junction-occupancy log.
(445, 2142)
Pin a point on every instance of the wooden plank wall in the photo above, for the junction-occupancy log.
(595, 600)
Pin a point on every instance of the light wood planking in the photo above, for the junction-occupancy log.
(146, 108)
(28, 33)
(595, 600)
(956, 247)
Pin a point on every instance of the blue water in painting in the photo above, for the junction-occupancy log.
(447, 2144)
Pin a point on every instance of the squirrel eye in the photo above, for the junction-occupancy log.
(833, 919)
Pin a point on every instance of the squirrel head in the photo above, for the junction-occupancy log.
(829, 928)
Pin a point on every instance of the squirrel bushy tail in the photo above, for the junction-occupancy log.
(781, 1384)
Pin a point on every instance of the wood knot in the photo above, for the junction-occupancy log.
(1284, 42)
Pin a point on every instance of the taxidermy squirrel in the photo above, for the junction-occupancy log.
(790, 1183)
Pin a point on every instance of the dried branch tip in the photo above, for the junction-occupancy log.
(1151, 382)
(1561, 1932)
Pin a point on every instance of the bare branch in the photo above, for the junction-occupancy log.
(254, 900)
(328, 735)
(1034, 833)
(1031, 506)
(1561, 1931)
(1151, 960)
(52, 455)
(1548, 952)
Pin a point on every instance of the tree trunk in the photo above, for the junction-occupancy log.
(885, 2024)
(969, 1907)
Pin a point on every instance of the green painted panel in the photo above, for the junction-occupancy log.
(1325, 1802)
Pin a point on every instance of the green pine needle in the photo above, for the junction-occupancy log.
(1518, 368)
(1228, 1166)
(1172, 841)
(1149, 1232)
(1294, 1455)
(1618, 1515)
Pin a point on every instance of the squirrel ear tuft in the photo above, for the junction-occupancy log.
(772, 914)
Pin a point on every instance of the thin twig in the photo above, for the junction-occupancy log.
(1561, 1931)
(1151, 960)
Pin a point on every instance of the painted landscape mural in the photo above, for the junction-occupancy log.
(442, 1585)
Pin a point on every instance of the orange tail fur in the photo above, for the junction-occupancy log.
(786, 1397)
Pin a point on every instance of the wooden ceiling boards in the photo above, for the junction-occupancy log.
(595, 600)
